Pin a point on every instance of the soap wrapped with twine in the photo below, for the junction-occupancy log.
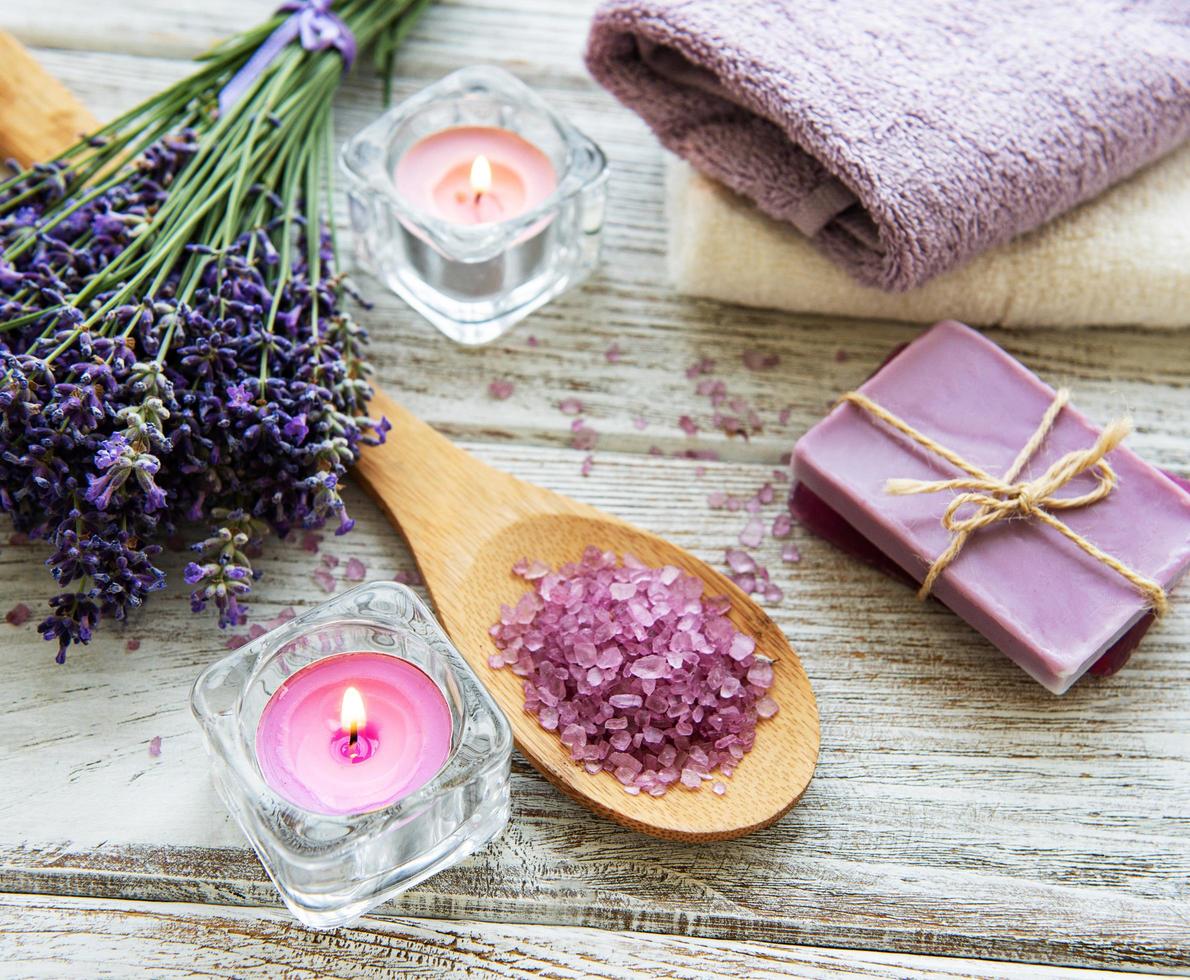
(1001, 498)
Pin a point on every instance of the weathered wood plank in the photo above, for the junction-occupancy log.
(958, 807)
(87, 938)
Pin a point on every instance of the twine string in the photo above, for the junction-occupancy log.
(1000, 498)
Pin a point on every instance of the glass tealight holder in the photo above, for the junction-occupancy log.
(331, 869)
(475, 281)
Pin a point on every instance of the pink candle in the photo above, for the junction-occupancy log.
(353, 733)
(473, 175)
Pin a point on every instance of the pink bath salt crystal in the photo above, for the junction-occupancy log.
(625, 701)
(739, 561)
(755, 360)
(761, 674)
(691, 779)
(588, 464)
(356, 570)
(718, 788)
(640, 423)
(783, 415)
(752, 534)
(734, 503)
(773, 595)
(570, 406)
(782, 525)
(746, 581)
(531, 341)
(688, 425)
(841, 355)
(324, 579)
(584, 438)
(330, 561)
(789, 554)
(500, 389)
(256, 631)
(310, 541)
(703, 365)
(766, 494)
(717, 500)
(531, 570)
(412, 577)
(622, 590)
(132, 645)
(780, 476)
(741, 646)
(766, 707)
(155, 746)
(18, 615)
(700, 471)
(235, 642)
(648, 668)
(753, 506)
(613, 354)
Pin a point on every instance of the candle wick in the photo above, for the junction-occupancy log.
(353, 739)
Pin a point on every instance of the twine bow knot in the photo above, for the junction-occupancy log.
(1003, 498)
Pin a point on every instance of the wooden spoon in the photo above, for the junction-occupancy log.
(467, 523)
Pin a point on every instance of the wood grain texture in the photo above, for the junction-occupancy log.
(62, 938)
(957, 807)
(39, 116)
(468, 524)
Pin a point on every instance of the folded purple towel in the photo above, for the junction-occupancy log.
(905, 138)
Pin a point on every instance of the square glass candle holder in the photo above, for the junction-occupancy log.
(475, 281)
(331, 869)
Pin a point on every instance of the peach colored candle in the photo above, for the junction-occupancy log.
(353, 733)
(473, 175)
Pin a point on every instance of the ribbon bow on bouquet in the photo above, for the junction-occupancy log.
(310, 20)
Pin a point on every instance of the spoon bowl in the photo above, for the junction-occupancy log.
(467, 524)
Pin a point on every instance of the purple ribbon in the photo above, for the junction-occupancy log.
(319, 30)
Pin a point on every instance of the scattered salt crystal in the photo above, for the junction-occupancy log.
(766, 494)
(500, 389)
(235, 642)
(640, 423)
(752, 534)
(324, 579)
(584, 438)
(790, 554)
(688, 425)
(356, 570)
(18, 615)
(310, 541)
(330, 561)
(531, 341)
(155, 746)
(587, 465)
(740, 561)
(755, 360)
(132, 645)
(783, 415)
(704, 365)
(734, 503)
(773, 595)
(782, 525)
(570, 406)
(717, 500)
(613, 354)
(781, 476)
(718, 788)
(691, 779)
(761, 674)
(766, 707)
(700, 471)
(741, 647)
(841, 355)
(412, 577)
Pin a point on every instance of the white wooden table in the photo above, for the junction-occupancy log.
(962, 820)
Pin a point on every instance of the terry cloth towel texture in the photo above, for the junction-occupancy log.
(904, 138)
(1123, 258)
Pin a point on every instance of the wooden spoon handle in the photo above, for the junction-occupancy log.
(39, 118)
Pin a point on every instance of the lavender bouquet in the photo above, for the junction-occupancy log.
(173, 343)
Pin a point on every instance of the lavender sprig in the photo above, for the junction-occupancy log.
(173, 343)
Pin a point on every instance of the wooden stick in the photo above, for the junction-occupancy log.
(39, 117)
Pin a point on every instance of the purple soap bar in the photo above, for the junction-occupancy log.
(1038, 597)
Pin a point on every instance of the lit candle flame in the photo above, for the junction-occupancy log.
(481, 176)
(351, 713)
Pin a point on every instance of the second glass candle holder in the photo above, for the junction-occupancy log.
(260, 715)
(468, 265)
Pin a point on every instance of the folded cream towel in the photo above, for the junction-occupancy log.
(1123, 258)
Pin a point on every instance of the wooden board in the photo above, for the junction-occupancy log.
(958, 808)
